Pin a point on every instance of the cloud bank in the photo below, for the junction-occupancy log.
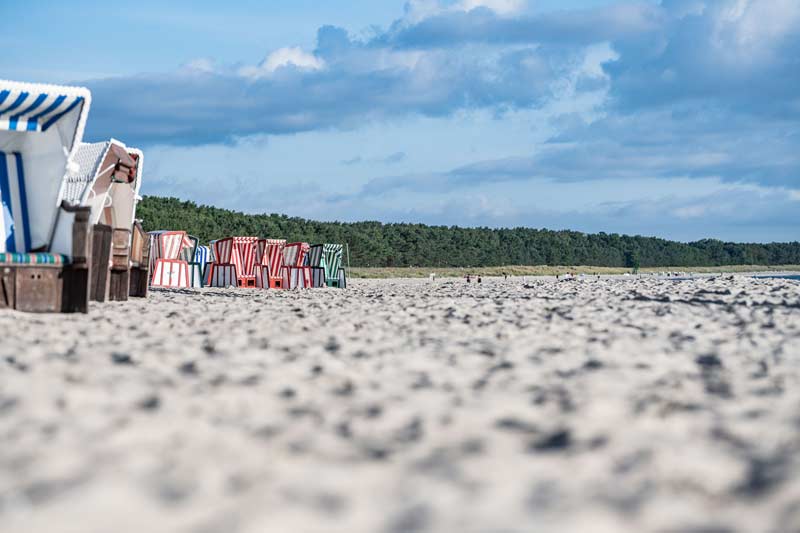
(681, 89)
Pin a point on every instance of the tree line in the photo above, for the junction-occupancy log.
(375, 244)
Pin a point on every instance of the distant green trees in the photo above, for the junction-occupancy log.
(378, 245)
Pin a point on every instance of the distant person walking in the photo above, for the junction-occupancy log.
(479, 279)
(468, 279)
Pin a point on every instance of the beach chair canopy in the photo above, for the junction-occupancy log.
(270, 255)
(238, 251)
(108, 181)
(294, 254)
(169, 244)
(40, 128)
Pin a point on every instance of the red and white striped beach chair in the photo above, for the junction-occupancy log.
(234, 259)
(296, 274)
(169, 269)
(269, 263)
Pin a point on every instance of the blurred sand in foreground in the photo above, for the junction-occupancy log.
(409, 406)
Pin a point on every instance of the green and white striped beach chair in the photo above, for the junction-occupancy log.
(326, 262)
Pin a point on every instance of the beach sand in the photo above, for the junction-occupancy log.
(409, 406)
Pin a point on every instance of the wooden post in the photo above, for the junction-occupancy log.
(101, 259)
(75, 297)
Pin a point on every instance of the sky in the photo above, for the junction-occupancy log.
(678, 119)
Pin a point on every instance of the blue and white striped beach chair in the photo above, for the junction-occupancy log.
(43, 242)
(202, 256)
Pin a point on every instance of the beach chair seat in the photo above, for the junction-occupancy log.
(268, 268)
(317, 277)
(49, 240)
(295, 277)
(222, 276)
(171, 273)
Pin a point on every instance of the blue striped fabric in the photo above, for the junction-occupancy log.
(22, 110)
(202, 255)
(15, 234)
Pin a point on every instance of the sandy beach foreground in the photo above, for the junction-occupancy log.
(409, 405)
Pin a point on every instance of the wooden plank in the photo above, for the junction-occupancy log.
(8, 287)
(75, 296)
(139, 280)
(38, 289)
(119, 285)
(101, 260)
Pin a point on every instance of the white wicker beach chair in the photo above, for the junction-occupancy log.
(108, 182)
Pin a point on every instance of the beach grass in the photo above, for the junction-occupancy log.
(547, 270)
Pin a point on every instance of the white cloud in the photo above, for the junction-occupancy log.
(418, 10)
(283, 57)
(200, 65)
(501, 7)
(749, 30)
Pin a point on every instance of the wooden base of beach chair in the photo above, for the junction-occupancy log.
(317, 277)
(45, 289)
(139, 281)
(50, 287)
(170, 274)
(38, 289)
(339, 282)
(101, 262)
(297, 277)
(222, 276)
(196, 272)
(75, 296)
(265, 281)
(246, 282)
(119, 285)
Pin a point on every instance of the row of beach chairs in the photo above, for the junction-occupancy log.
(68, 227)
(179, 261)
(68, 231)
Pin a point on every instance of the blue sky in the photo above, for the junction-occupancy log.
(678, 118)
